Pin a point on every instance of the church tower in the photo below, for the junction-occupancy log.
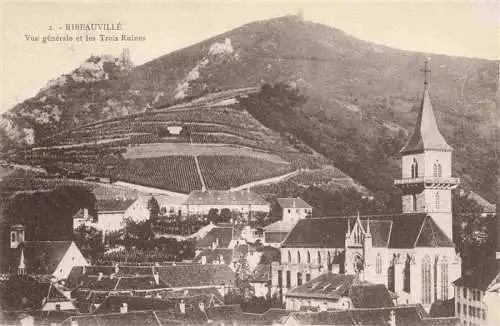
(426, 181)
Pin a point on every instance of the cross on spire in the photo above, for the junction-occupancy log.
(426, 70)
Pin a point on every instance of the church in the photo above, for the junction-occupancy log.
(411, 253)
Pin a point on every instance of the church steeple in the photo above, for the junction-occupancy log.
(426, 135)
(426, 181)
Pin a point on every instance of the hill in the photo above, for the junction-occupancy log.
(361, 97)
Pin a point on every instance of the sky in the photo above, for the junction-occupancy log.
(453, 27)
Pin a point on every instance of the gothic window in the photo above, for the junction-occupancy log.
(426, 281)
(438, 201)
(289, 256)
(319, 257)
(358, 264)
(444, 279)
(329, 258)
(299, 279)
(439, 170)
(414, 202)
(407, 276)
(288, 279)
(435, 278)
(390, 278)
(434, 170)
(308, 257)
(298, 257)
(12, 237)
(378, 264)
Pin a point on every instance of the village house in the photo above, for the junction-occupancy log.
(244, 203)
(337, 291)
(293, 210)
(50, 258)
(169, 206)
(411, 253)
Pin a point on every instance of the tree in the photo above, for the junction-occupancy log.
(154, 209)
(225, 215)
(243, 288)
(137, 232)
(89, 240)
(474, 234)
(213, 215)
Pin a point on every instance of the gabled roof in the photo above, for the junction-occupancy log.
(334, 286)
(482, 277)
(325, 286)
(410, 315)
(426, 135)
(41, 257)
(318, 233)
(223, 235)
(213, 255)
(393, 231)
(279, 226)
(293, 203)
(224, 197)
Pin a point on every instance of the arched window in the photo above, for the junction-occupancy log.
(308, 257)
(319, 257)
(439, 170)
(414, 202)
(378, 264)
(289, 256)
(435, 170)
(12, 237)
(426, 281)
(406, 276)
(438, 201)
(329, 258)
(444, 279)
(298, 257)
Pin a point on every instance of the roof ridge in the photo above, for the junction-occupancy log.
(419, 233)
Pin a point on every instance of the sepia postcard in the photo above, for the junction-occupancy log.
(249, 163)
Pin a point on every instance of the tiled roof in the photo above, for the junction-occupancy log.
(223, 234)
(481, 277)
(370, 296)
(426, 135)
(41, 257)
(223, 197)
(233, 315)
(196, 275)
(293, 203)
(393, 231)
(318, 233)
(139, 283)
(274, 237)
(213, 255)
(117, 283)
(411, 315)
(55, 295)
(325, 286)
(113, 205)
(279, 226)
(274, 315)
(146, 318)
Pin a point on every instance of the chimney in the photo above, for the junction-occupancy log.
(203, 260)
(99, 278)
(201, 305)
(156, 277)
(392, 321)
(182, 307)
(124, 308)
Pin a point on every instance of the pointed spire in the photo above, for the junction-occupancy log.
(368, 231)
(22, 263)
(426, 135)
